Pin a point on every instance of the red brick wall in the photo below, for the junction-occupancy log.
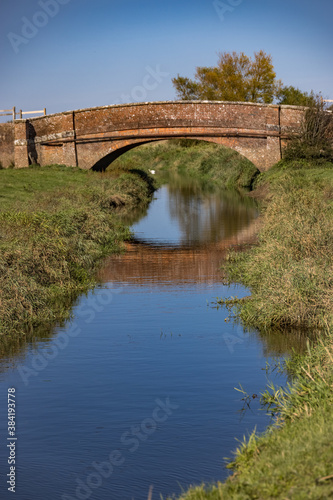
(6, 144)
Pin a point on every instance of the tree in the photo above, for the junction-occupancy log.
(186, 89)
(235, 78)
(295, 97)
(262, 83)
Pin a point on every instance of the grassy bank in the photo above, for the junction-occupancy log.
(56, 223)
(289, 274)
(206, 161)
(290, 271)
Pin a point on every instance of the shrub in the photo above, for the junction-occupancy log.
(314, 142)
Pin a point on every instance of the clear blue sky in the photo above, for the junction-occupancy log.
(87, 53)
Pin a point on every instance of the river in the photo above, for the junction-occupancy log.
(138, 389)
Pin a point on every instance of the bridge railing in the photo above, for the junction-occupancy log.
(12, 112)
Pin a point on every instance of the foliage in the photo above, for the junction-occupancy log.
(187, 89)
(294, 96)
(315, 139)
(236, 77)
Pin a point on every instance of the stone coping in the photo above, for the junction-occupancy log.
(134, 104)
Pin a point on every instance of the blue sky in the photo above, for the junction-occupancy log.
(70, 54)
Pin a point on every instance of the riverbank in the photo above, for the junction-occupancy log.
(290, 275)
(56, 223)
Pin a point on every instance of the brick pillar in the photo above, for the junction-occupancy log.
(21, 144)
(69, 148)
(273, 149)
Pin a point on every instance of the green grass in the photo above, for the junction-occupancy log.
(56, 223)
(208, 162)
(23, 184)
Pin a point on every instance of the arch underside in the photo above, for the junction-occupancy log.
(98, 154)
(102, 164)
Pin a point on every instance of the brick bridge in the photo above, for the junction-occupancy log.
(93, 138)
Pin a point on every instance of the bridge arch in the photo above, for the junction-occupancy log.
(105, 161)
(89, 138)
(102, 164)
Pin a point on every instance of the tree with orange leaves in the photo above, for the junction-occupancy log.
(236, 77)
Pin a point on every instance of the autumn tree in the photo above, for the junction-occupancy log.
(236, 77)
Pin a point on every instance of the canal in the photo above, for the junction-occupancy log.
(138, 389)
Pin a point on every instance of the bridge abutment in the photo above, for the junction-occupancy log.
(46, 142)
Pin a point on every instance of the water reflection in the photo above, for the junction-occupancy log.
(207, 216)
(205, 224)
(188, 213)
(185, 236)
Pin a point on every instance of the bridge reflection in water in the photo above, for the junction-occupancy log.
(185, 236)
(162, 265)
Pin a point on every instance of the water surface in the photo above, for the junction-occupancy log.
(139, 388)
